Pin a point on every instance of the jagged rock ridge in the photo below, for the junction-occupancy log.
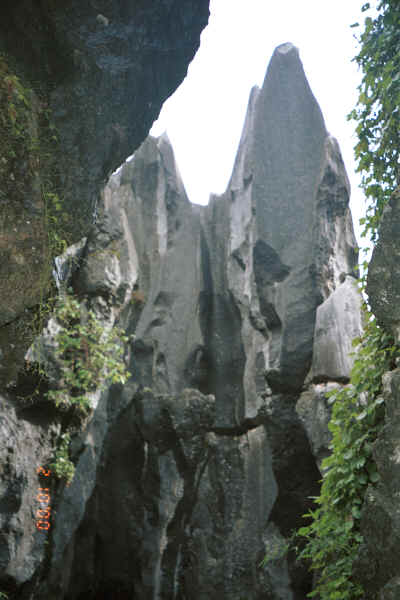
(201, 463)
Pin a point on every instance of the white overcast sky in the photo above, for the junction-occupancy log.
(204, 117)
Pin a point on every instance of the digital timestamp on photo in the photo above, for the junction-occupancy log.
(43, 497)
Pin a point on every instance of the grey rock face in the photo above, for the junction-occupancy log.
(338, 323)
(201, 464)
(24, 447)
(108, 68)
(315, 412)
(378, 564)
(383, 286)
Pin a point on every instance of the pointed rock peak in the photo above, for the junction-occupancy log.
(286, 48)
(169, 162)
(152, 147)
(242, 167)
(284, 131)
(163, 139)
(286, 73)
(286, 57)
(165, 148)
(286, 54)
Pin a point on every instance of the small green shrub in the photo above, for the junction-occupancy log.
(89, 356)
(62, 466)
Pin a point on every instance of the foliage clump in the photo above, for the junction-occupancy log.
(15, 123)
(89, 356)
(62, 465)
(333, 537)
(377, 114)
(35, 223)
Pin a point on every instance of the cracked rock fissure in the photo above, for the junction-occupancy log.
(208, 456)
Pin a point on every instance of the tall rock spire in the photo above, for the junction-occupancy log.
(289, 223)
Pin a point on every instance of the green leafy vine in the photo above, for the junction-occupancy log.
(90, 357)
(333, 536)
(377, 114)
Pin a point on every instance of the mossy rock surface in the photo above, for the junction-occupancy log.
(29, 225)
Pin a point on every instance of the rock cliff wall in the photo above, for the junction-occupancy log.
(241, 313)
(81, 83)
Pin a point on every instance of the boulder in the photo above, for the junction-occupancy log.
(338, 323)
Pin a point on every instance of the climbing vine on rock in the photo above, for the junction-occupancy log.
(333, 536)
(15, 122)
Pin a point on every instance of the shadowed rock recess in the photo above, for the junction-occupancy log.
(241, 310)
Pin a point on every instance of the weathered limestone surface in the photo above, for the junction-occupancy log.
(338, 322)
(315, 412)
(200, 464)
(24, 447)
(383, 286)
(108, 67)
(378, 564)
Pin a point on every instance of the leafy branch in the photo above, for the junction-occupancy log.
(89, 356)
(62, 466)
(377, 114)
